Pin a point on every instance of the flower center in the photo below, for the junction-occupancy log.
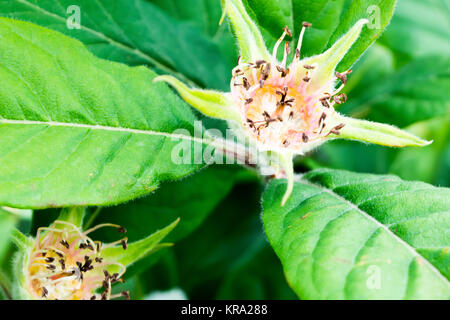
(277, 106)
(66, 264)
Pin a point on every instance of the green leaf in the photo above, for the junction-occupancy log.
(345, 235)
(411, 35)
(415, 93)
(77, 130)
(143, 33)
(331, 19)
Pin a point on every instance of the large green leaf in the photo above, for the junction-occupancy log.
(414, 93)
(331, 19)
(168, 36)
(345, 235)
(77, 130)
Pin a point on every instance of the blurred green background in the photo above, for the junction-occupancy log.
(221, 251)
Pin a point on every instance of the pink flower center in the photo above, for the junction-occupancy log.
(277, 105)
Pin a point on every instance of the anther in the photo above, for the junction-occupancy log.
(325, 103)
(44, 292)
(288, 31)
(309, 67)
(121, 230)
(65, 243)
(259, 63)
(340, 99)
(306, 24)
(124, 244)
(305, 137)
(287, 48)
(126, 294)
(284, 72)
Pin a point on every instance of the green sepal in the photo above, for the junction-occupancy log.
(250, 40)
(74, 215)
(20, 264)
(139, 249)
(283, 163)
(327, 62)
(377, 133)
(5, 287)
(211, 103)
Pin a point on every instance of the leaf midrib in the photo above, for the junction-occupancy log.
(379, 224)
(106, 128)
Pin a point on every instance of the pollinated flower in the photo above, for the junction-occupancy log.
(64, 263)
(287, 109)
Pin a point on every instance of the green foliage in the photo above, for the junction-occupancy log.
(227, 257)
(419, 28)
(359, 236)
(7, 223)
(330, 19)
(77, 130)
(414, 93)
(110, 30)
(191, 199)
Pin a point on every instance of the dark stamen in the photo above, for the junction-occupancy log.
(126, 294)
(65, 243)
(340, 98)
(288, 31)
(305, 137)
